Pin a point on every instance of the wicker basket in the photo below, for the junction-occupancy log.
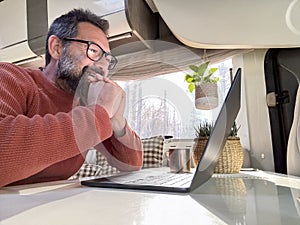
(206, 96)
(231, 158)
(199, 146)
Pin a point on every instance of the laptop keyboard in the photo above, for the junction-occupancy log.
(164, 180)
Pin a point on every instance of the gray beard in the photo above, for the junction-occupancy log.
(73, 79)
(68, 74)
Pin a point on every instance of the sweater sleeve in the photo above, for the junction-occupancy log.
(29, 144)
(125, 153)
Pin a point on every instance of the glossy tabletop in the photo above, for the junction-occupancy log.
(253, 197)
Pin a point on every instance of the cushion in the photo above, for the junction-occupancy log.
(153, 151)
(153, 157)
(105, 167)
(87, 170)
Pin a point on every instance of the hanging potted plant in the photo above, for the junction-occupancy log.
(204, 84)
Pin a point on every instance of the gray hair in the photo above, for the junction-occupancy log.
(67, 25)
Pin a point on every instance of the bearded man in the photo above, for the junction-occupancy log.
(51, 117)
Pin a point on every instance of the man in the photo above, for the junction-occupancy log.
(50, 118)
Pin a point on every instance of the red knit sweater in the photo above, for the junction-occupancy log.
(44, 138)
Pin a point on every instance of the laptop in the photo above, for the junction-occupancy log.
(161, 179)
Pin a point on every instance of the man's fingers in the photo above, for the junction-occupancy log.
(94, 91)
(94, 74)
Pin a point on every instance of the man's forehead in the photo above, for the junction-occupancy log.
(91, 32)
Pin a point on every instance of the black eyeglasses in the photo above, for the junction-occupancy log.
(95, 52)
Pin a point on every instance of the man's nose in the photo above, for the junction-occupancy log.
(103, 65)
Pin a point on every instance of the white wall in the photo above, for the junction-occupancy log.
(255, 131)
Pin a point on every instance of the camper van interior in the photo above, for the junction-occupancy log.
(155, 42)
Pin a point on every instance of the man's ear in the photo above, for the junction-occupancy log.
(54, 47)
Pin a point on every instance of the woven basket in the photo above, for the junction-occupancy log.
(231, 158)
(199, 146)
(206, 96)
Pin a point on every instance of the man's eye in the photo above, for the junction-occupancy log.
(93, 51)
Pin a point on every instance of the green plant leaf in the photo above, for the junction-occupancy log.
(234, 130)
(204, 129)
(196, 79)
(207, 78)
(191, 87)
(198, 76)
(212, 70)
(202, 68)
(194, 68)
(188, 78)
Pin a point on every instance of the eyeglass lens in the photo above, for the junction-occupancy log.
(95, 53)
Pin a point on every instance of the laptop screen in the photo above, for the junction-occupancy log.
(219, 133)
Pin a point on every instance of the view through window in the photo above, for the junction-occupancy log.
(163, 105)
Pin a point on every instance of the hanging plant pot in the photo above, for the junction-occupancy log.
(206, 96)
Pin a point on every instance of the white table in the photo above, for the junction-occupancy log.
(225, 199)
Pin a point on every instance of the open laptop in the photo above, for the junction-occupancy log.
(161, 179)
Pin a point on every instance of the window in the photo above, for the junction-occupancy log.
(163, 105)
